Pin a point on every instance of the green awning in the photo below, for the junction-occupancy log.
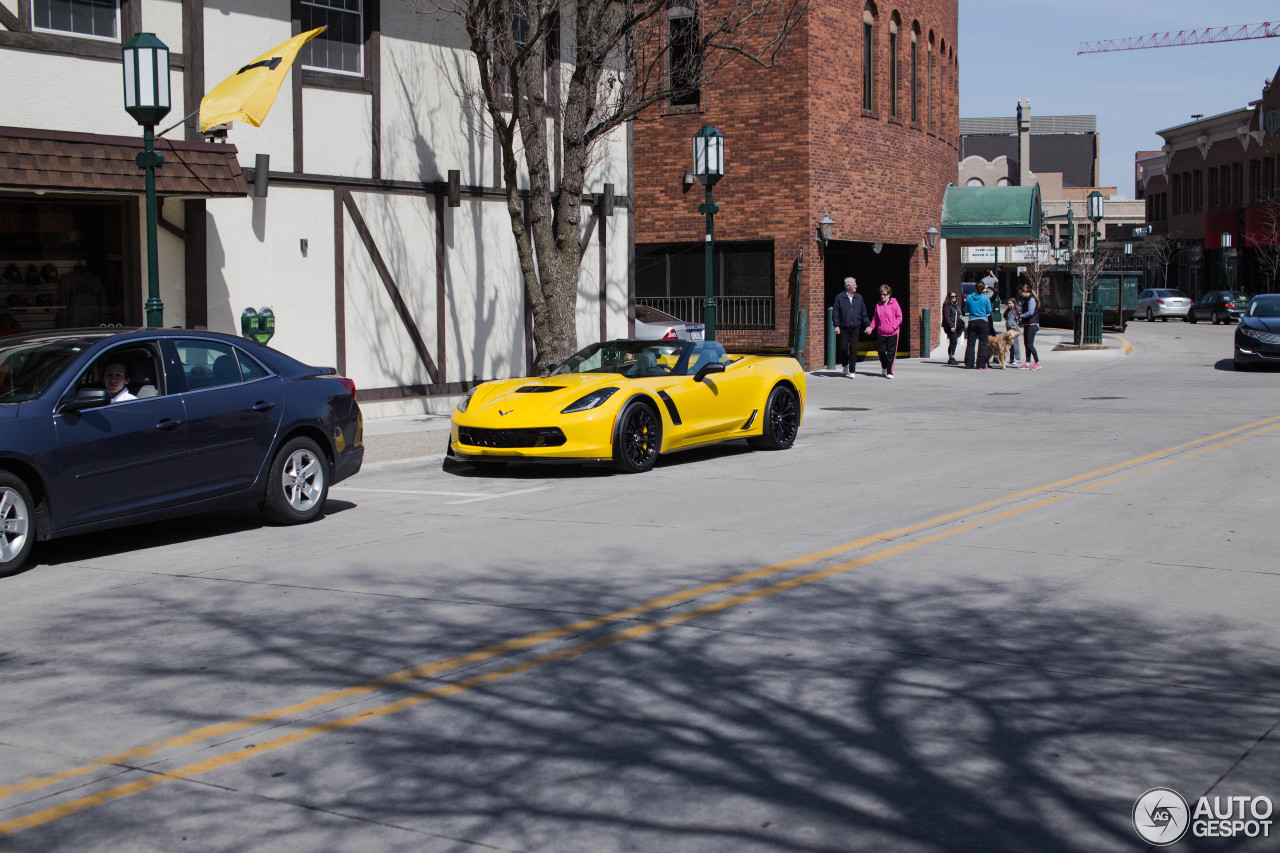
(991, 213)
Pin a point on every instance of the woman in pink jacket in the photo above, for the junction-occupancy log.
(886, 320)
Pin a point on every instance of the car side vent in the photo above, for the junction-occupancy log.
(539, 389)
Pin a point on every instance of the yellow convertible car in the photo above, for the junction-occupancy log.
(627, 401)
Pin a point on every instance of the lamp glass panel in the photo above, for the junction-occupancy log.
(146, 77)
(162, 78)
(130, 78)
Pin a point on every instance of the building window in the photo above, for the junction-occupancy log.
(1213, 188)
(1268, 179)
(1197, 191)
(99, 19)
(340, 48)
(672, 277)
(684, 59)
(1237, 184)
(868, 60)
(893, 66)
(1255, 181)
(915, 73)
(974, 182)
(1176, 188)
(928, 81)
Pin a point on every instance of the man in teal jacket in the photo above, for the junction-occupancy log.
(978, 306)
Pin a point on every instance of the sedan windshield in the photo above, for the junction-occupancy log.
(27, 369)
(1269, 307)
(629, 358)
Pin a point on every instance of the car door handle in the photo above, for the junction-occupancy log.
(168, 423)
(263, 406)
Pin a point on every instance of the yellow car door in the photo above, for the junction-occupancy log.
(717, 406)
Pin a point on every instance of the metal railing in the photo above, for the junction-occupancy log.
(732, 312)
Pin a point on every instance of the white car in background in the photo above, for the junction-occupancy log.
(655, 325)
(1163, 303)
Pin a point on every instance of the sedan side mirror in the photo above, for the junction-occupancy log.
(88, 398)
(708, 369)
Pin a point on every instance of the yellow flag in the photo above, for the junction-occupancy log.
(248, 94)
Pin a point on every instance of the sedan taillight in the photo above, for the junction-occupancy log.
(670, 335)
(349, 384)
(1159, 301)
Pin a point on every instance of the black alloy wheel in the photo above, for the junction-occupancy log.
(781, 420)
(639, 435)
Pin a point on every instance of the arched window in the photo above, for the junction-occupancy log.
(684, 62)
(974, 182)
(868, 57)
(893, 65)
(915, 73)
(928, 82)
(942, 85)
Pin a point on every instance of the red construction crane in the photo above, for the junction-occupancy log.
(1208, 35)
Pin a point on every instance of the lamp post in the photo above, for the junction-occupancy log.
(1228, 255)
(708, 167)
(146, 98)
(1093, 208)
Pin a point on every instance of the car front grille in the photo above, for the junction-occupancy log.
(511, 438)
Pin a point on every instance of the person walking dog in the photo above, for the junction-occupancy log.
(978, 307)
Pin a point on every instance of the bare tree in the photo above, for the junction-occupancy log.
(1161, 249)
(618, 59)
(1266, 242)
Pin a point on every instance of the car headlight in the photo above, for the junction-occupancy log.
(1253, 333)
(462, 407)
(595, 398)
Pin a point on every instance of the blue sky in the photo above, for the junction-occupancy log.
(1026, 49)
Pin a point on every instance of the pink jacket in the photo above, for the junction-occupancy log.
(886, 317)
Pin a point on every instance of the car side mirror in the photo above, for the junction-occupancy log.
(707, 369)
(88, 398)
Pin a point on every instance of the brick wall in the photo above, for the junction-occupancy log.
(799, 144)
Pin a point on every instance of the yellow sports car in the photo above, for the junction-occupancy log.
(627, 401)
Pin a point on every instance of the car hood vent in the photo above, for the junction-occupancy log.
(539, 389)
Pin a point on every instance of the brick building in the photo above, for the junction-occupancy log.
(859, 120)
(1216, 176)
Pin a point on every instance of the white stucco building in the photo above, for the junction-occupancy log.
(355, 246)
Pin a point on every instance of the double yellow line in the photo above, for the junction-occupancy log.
(126, 759)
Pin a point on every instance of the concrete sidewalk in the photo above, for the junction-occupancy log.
(405, 437)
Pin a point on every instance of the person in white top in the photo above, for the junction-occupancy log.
(116, 377)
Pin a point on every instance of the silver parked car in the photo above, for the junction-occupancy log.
(655, 325)
(1163, 303)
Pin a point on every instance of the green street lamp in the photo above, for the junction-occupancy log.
(1093, 208)
(146, 98)
(708, 167)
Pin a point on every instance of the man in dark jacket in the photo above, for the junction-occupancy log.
(849, 317)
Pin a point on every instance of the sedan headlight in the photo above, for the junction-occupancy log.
(1253, 333)
(592, 400)
(462, 407)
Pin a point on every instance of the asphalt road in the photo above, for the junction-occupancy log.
(970, 610)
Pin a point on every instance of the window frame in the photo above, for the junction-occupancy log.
(893, 67)
(117, 23)
(868, 60)
(308, 48)
(689, 45)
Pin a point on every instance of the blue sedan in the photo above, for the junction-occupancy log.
(103, 427)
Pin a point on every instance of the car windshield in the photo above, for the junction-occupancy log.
(26, 369)
(629, 358)
(1269, 307)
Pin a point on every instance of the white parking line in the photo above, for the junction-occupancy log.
(470, 497)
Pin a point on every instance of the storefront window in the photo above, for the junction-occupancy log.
(61, 265)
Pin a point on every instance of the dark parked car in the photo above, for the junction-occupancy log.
(1258, 335)
(1218, 306)
(205, 421)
